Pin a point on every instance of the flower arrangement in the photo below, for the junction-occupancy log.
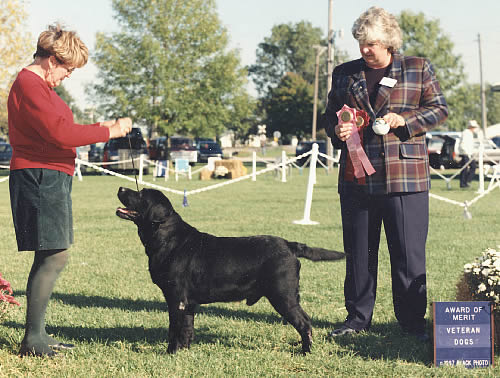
(481, 282)
(6, 297)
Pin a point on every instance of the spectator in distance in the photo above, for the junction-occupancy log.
(466, 149)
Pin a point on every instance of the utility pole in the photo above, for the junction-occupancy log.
(483, 97)
(319, 51)
(329, 69)
(331, 47)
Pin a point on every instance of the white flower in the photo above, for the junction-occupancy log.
(486, 262)
(481, 287)
(485, 272)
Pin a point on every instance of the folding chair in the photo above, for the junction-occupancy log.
(493, 173)
(182, 167)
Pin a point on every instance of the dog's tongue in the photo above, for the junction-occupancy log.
(126, 211)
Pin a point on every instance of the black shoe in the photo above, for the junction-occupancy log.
(27, 351)
(423, 337)
(344, 330)
(420, 335)
(62, 346)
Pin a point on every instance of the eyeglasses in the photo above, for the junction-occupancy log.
(69, 71)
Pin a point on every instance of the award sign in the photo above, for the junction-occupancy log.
(463, 334)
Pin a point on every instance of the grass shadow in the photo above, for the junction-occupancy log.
(387, 341)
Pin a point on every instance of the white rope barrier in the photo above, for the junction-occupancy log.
(112, 173)
(281, 166)
(448, 179)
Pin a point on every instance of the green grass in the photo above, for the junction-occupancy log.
(106, 304)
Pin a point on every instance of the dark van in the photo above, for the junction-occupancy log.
(122, 149)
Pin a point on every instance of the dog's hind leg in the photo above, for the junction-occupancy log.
(283, 294)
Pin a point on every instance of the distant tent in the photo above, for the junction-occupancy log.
(493, 131)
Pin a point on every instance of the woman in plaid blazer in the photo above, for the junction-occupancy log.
(404, 92)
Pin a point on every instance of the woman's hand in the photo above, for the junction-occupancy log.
(119, 128)
(108, 123)
(343, 131)
(394, 120)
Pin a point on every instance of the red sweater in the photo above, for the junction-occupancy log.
(41, 127)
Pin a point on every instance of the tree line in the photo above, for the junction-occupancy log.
(171, 68)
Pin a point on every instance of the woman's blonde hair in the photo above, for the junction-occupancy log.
(378, 25)
(64, 45)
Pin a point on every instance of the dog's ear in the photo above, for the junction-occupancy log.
(158, 208)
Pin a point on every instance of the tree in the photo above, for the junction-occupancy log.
(78, 115)
(286, 63)
(16, 46)
(422, 37)
(288, 49)
(289, 107)
(170, 68)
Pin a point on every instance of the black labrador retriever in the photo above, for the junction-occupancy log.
(192, 267)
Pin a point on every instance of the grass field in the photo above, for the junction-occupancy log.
(106, 304)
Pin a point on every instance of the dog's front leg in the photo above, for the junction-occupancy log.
(173, 330)
(181, 328)
(187, 331)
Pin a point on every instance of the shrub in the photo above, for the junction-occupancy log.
(480, 281)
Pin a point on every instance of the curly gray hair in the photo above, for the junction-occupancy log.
(378, 25)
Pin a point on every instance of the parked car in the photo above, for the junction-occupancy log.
(183, 148)
(496, 140)
(96, 152)
(208, 148)
(5, 153)
(434, 146)
(158, 148)
(119, 150)
(450, 157)
(305, 146)
(439, 142)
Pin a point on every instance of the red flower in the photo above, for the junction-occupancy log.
(5, 287)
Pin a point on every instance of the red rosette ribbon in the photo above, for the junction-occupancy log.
(357, 154)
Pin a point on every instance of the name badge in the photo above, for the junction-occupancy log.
(388, 82)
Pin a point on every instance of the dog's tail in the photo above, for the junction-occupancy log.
(315, 254)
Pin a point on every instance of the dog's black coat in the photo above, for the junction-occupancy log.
(193, 267)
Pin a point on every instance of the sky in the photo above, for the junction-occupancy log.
(249, 22)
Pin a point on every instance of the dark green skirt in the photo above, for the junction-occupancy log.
(41, 208)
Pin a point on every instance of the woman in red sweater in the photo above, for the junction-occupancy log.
(44, 137)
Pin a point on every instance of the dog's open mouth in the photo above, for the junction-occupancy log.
(127, 214)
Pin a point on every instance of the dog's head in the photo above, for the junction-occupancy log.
(147, 206)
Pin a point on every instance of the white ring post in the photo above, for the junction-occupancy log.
(155, 169)
(78, 170)
(141, 167)
(481, 168)
(310, 187)
(254, 166)
(283, 166)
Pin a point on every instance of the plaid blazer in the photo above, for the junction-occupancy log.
(400, 157)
